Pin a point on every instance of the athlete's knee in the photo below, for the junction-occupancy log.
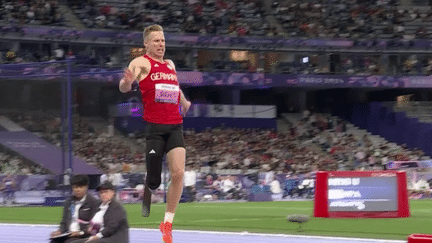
(153, 181)
(177, 175)
(154, 169)
(154, 185)
(176, 157)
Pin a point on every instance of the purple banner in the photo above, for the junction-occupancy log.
(337, 81)
(43, 153)
(417, 81)
(57, 70)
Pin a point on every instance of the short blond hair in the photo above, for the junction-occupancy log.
(151, 28)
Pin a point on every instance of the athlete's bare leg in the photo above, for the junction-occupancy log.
(176, 161)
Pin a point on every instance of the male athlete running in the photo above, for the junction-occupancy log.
(161, 97)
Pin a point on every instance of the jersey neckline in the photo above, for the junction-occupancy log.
(165, 62)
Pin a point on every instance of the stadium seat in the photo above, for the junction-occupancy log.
(419, 238)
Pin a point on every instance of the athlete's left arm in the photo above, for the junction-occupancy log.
(183, 101)
(185, 104)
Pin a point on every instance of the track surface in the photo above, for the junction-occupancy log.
(23, 233)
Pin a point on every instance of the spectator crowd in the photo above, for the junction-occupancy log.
(240, 17)
(31, 12)
(325, 19)
(216, 156)
(316, 142)
(351, 19)
(97, 146)
(14, 164)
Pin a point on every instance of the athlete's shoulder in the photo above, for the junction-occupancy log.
(141, 67)
(170, 62)
(140, 61)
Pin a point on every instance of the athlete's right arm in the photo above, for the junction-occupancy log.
(138, 69)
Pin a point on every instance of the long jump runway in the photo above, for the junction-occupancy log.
(24, 233)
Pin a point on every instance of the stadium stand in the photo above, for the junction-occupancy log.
(310, 143)
(45, 12)
(352, 19)
(316, 141)
(211, 17)
(14, 164)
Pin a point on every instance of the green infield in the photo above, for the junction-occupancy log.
(258, 217)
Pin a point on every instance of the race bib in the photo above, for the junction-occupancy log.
(167, 93)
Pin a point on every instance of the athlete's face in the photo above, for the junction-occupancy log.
(155, 44)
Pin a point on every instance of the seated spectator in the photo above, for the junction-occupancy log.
(189, 183)
(216, 188)
(109, 224)
(77, 209)
(275, 189)
(227, 187)
(423, 187)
